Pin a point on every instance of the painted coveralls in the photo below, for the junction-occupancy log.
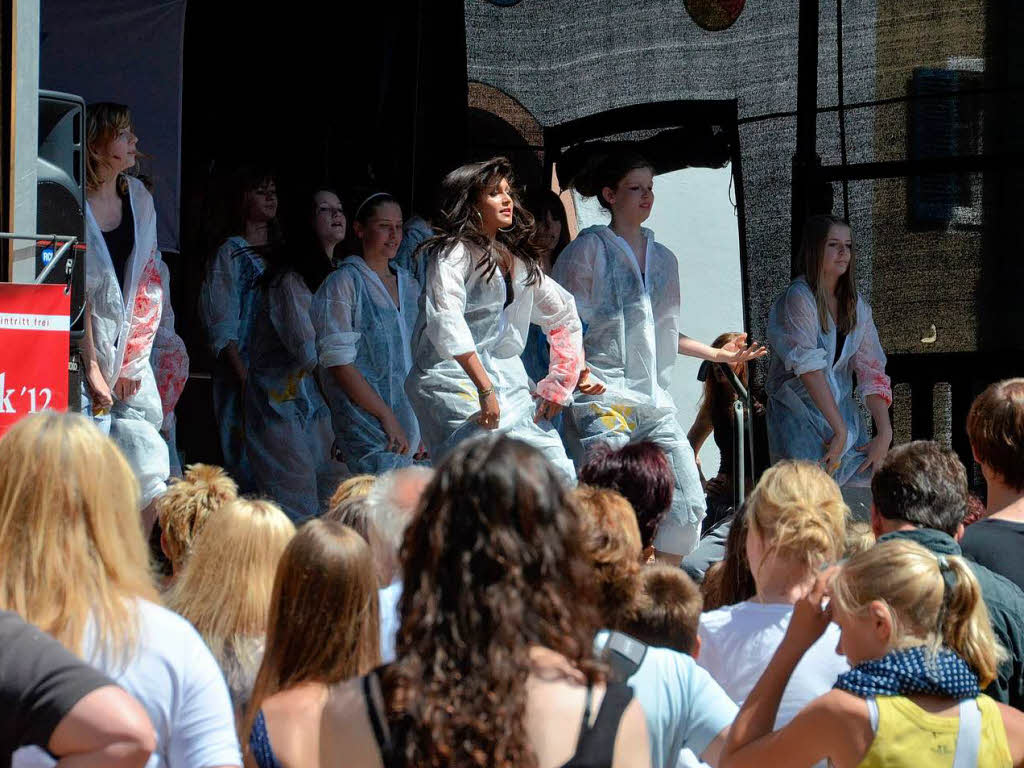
(169, 359)
(357, 323)
(631, 340)
(796, 428)
(462, 310)
(226, 307)
(124, 326)
(288, 437)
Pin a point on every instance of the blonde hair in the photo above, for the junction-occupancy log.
(859, 537)
(187, 503)
(355, 487)
(908, 580)
(71, 543)
(812, 251)
(104, 120)
(799, 513)
(611, 538)
(225, 588)
(324, 624)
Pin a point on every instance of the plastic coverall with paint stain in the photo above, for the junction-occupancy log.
(288, 437)
(226, 308)
(463, 310)
(169, 359)
(357, 323)
(631, 342)
(796, 428)
(124, 326)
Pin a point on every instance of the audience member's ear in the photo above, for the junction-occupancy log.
(881, 621)
(647, 557)
(695, 650)
(959, 532)
(163, 546)
(877, 527)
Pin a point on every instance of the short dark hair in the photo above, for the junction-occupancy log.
(924, 484)
(995, 427)
(640, 472)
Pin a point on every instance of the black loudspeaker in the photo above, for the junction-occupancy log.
(60, 194)
(60, 210)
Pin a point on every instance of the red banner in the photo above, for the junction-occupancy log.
(34, 344)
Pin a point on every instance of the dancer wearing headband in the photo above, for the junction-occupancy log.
(916, 631)
(364, 316)
(484, 287)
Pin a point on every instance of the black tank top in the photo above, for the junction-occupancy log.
(595, 749)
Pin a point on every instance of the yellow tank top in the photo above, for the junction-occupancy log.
(910, 736)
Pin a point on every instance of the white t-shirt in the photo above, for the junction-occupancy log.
(176, 679)
(738, 641)
(684, 707)
(387, 601)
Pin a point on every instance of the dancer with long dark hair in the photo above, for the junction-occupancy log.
(484, 287)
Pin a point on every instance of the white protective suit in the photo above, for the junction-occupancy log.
(169, 359)
(631, 339)
(226, 308)
(288, 438)
(463, 311)
(124, 326)
(796, 428)
(357, 323)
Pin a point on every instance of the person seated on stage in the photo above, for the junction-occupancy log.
(495, 662)
(995, 426)
(322, 630)
(823, 338)
(685, 709)
(667, 614)
(75, 564)
(642, 474)
(914, 626)
(224, 590)
(186, 505)
(52, 699)
(796, 523)
(920, 493)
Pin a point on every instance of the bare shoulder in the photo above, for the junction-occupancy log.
(1013, 722)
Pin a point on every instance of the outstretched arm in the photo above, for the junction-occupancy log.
(734, 352)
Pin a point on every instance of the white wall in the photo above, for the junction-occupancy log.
(694, 216)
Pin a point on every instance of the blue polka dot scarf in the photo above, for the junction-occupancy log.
(910, 671)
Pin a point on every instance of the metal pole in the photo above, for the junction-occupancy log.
(806, 160)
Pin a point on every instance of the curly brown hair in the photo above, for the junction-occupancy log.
(493, 566)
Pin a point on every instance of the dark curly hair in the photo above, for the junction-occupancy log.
(493, 565)
(458, 220)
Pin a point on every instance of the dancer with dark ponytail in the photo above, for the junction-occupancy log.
(484, 286)
(626, 287)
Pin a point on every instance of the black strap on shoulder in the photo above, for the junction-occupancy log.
(597, 744)
(378, 719)
(623, 655)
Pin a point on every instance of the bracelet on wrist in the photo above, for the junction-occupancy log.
(482, 393)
